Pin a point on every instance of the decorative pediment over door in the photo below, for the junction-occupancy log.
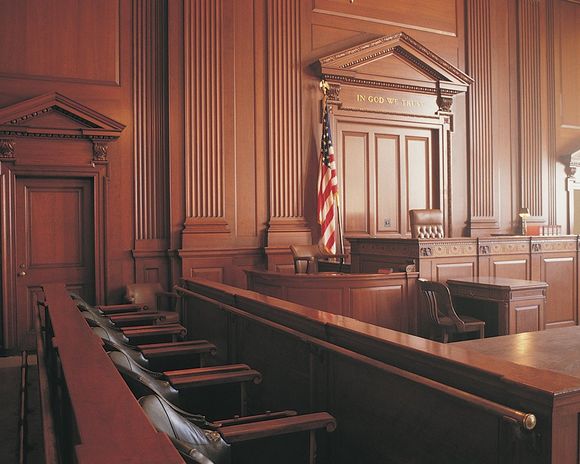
(55, 177)
(393, 101)
(397, 63)
(58, 117)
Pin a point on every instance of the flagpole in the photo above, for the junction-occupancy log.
(324, 87)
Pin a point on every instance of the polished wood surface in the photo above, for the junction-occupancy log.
(555, 350)
(550, 259)
(97, 407)
(386, 300)
(510, 305)
(213, 176)
(365, 360)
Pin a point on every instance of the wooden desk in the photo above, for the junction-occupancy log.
(551, 259)
(518, 305)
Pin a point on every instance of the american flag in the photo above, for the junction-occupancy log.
(327, 187)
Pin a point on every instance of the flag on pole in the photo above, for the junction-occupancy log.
(327, 187)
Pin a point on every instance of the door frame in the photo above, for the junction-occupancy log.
(8, 268)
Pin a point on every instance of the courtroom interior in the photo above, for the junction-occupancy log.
(290, 231)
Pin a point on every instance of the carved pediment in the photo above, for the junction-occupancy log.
(54, 115)
(396, 62)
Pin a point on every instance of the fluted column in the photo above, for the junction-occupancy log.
(484, 189)
(286, 224)
(285, 124)
(533, 181)
(151, 138)
(204, 142)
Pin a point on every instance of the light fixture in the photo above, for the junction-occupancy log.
(524, 215)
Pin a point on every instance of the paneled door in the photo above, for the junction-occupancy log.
(385, 171)
(54, 243)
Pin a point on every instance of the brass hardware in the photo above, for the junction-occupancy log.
(529, 421)
(21, 274)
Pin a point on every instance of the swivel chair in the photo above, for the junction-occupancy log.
(426, 223)
(306, 258)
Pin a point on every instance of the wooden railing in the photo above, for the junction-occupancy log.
(385, 413)
(89, 413)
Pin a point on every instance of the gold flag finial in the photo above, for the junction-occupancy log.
(324, 86)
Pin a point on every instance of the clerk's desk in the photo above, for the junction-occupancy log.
(508, 306)
(550, 259)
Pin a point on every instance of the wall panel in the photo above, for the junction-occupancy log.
(61, 40)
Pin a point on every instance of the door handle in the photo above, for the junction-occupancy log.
(21, 274)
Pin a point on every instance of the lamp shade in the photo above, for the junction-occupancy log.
(524, 213)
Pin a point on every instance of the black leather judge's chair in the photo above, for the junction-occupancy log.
(438, 311)
(426, 223)
(306, 257)
(196, 441)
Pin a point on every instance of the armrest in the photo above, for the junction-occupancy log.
(222, 378)
(237, 420)
(190, 451)
(207, 370)
(120, 308)
(141, 331)
(271, 428)
(159, 350)
(131, 318)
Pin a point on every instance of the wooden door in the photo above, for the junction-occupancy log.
(384, 172)
(54, 243)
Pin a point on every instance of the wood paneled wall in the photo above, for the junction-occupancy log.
(216, 171)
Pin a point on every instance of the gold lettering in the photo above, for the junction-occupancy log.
(389, 100)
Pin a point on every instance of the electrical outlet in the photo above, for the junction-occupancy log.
(387, 223)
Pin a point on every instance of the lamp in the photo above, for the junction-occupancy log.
(524, 214)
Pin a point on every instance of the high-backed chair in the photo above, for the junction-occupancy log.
(306, 257)
(195, 442)
(426, 223)
(182, 387)
(437, 309)
(152, 296)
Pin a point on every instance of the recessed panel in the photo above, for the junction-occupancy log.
(72, 40)
(327, 299)
(443, 271)
(383, 306)
(355, 156)
(388, 183)
(570, 63)
(56, 227)
(560, 274)
(512, 269)
(418, 173)
(437, 17)
(527, 318)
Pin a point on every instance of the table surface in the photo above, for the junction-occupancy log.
(499, 282)
(553, 349)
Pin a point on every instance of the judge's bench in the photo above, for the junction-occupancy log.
(549, 259)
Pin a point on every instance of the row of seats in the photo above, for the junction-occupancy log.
(182, 395)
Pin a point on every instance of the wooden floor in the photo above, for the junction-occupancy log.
(9, 412)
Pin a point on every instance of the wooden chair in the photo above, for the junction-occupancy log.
(306, 258)
(443, 320)
(426, 223)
